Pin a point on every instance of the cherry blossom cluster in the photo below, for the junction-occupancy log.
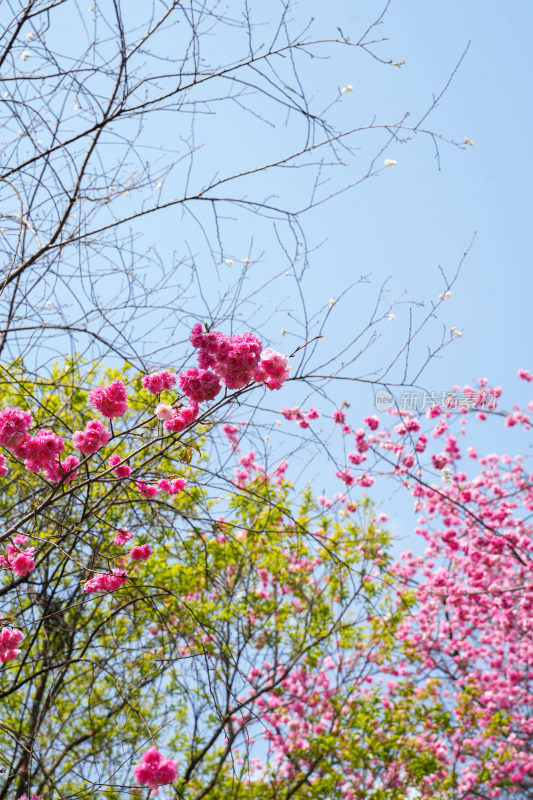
(154, 770)
(473, 586)
(157, 382)
(92, 438)
(106, 581)
(239, 359)
(38, 451)
(19, 561)
(9, 641)
(300, 416)
(111, 401)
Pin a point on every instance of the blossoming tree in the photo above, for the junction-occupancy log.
(179, 616)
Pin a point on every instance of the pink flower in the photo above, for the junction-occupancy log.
(154, 770)
(22, 562)
(33, 797)
(273, 369)
(234, 359)
(157, 381)
(163, 411)
(231, 431)
(123, 471)
(9, 641)
(440, 460)
(62, 470)
(122, 536)
(345, 476)
(3, 467)
(199, 384)
(14, 425)
(145, 489)
(92, 438)
(106, 582)
(372, 422)
(140, 552)
(525, 375)
(182, 418)
(339, 416)
(172, 486)
(111, 401)
(312, 413)
(40, 451)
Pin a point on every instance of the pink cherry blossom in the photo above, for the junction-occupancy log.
(199, 384)
(122, 536)
(156, 382)
(92, 438)
(122, 471)
(273, 369)
(172, 486)
(9, 641)
(111, 401)
(163, 411)
(146, 490)
(140, 552)
(14, 425)
(182, 418)
(106, 582)
(154, 770)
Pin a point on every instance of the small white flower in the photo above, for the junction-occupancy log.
(469, 141)
(159, 185)
(39, 141)
(445, 296)
(277, 423)
(346, 89)
(246, 261)
(229, 261)
(331, 302)
(391, 316)
(283, 331)
(125, 193)
(6, 94)
(25, 54)
(455, 332)
(286, 273)
(30, 35)
(48, 304)
(446, 475)
(390, 162)
(91, 9)
(77, 106)
(266, 438)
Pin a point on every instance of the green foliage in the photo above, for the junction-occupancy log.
(258, 577)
